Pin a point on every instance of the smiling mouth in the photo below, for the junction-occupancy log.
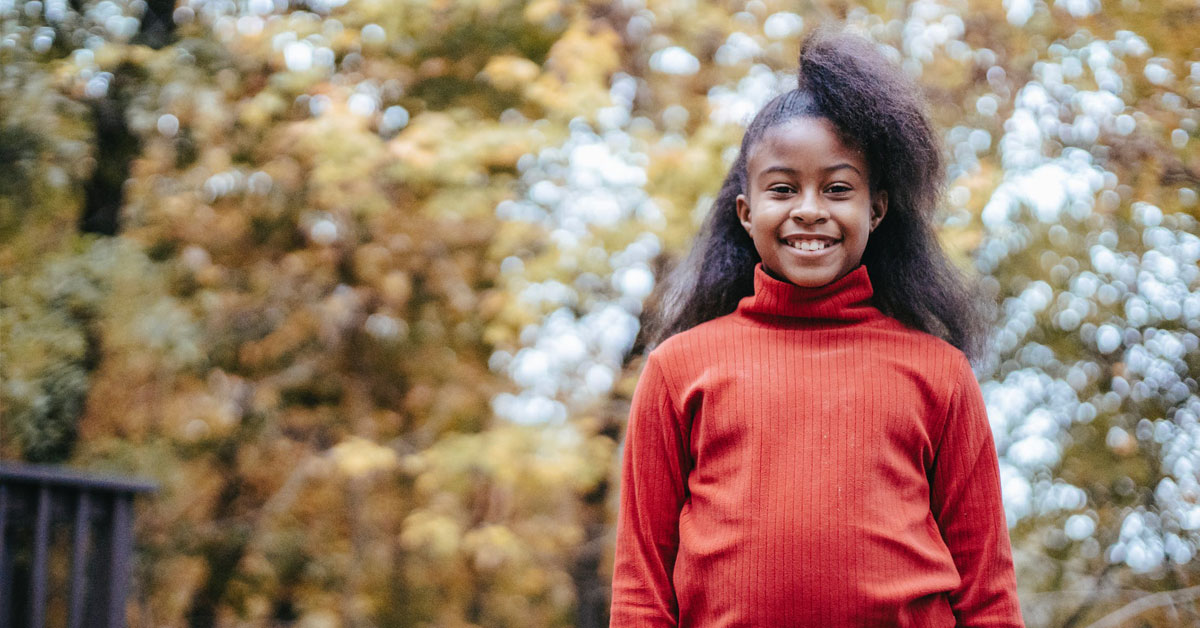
(810, 244)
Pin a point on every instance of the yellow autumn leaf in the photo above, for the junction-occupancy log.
(509, 72)
(358, 457)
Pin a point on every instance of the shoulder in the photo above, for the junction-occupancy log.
(939, 369)
(684, 357)
(696, 344)
(924, 348)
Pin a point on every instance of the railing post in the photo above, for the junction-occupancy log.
(79, 547)
(122, 542)
(6, 584)
(41, 550)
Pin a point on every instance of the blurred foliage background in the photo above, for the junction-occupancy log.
(359, 282)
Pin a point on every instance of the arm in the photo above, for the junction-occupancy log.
(653, 479)
(965, 500)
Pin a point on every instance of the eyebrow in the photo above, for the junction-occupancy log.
(840, 166)
(792, 171)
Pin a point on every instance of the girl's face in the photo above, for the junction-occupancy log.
(808, 204)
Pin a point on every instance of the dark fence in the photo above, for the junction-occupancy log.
(66, 542)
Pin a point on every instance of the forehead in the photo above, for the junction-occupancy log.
(806, 141)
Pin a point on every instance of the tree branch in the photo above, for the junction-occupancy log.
(1143, 604)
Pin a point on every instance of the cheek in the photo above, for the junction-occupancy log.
(762, 238)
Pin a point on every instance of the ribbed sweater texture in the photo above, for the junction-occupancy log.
(810, 461)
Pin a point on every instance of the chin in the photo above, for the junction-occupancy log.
(809, 278)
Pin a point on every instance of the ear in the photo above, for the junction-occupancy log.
(743, 211)
(879, 205)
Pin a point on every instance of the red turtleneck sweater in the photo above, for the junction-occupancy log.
(810, 461)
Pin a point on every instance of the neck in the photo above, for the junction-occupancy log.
(845, 300)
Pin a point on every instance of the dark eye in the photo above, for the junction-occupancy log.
(839, 188)
(780, 188)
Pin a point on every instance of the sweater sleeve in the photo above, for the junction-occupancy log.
(966, 502)
(653, 489)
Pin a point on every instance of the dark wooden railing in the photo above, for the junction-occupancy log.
(66, 543)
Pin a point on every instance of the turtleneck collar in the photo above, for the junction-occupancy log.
(847, 299)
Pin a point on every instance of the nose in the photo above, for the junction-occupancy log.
(809, 209)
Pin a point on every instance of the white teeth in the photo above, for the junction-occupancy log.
(809, 245)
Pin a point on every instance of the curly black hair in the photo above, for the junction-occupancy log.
(875, 108)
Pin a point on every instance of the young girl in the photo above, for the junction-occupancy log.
(807, 444)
